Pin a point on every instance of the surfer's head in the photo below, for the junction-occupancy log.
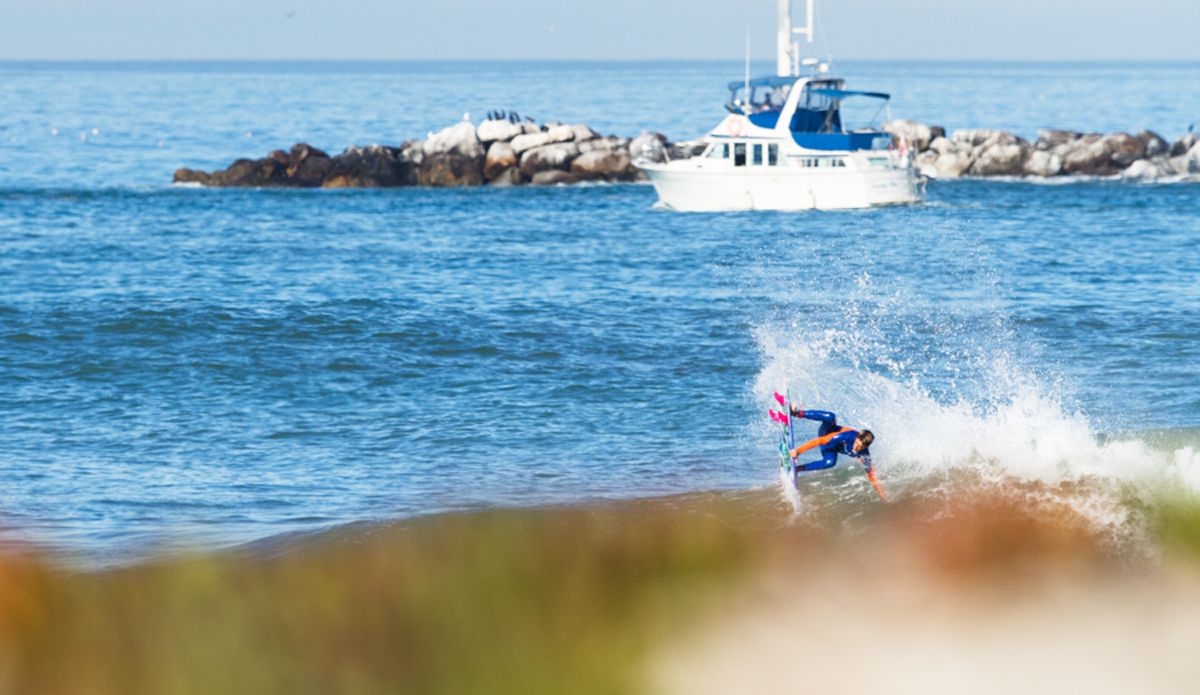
(863, 441)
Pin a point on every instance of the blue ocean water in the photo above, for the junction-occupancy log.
(226, 365)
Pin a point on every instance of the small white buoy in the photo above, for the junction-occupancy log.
(249, 134)
(160, 143)
(82, 137)
(54, 131)
(95, 131)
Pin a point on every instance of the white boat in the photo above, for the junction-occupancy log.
(783, 147)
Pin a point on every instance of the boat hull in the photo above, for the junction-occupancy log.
(697, 189)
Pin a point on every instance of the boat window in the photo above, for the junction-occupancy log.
(758, 155)
(841, 163)
(739, 154)
(719, 150)
(772, 155)
(767, 95)
(878, 161)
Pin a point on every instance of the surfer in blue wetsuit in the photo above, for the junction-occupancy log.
(833, 440)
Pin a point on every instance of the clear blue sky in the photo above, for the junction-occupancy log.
(592, 30)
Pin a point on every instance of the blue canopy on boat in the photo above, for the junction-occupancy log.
(772, 81)
(842, 94)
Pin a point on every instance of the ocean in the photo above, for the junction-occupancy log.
(218, 367)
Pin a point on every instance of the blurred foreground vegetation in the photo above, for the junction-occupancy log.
(542, 601)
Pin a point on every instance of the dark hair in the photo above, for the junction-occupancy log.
(867, 437)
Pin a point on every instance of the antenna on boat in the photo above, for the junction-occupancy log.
(787, 54)
(746, 97)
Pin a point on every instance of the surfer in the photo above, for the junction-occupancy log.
(833, 440)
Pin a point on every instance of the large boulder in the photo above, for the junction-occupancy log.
(412, 152)
(500, 156)
(528, 141)
(926, 163)
(608, 144)
(460, 138)
(1049, 139)
(1089, 156)
(1188, 162)
(1001, 154)
(608, 165)
(509, 177)
(1183, 144)
(560, 133)
(554, 156)
(972, 138)
(450, 169)
(944, 159)
(917, 135)
(1124, 149)
(1043, 163)
(1148, 169)
(1154, 144)
(498, 131)
(552, 177)
(650, 146)
(373, 166)
(584, 133)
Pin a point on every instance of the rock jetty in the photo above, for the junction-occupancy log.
(505, 152)
(982, 153)
(498, 152)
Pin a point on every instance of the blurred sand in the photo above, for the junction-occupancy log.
(899, 628)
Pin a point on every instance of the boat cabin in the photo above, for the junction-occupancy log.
(810, 109)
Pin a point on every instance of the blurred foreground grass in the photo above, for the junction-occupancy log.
(549, 601)
(543, 601)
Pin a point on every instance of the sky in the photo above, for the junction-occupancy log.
(1050, 30)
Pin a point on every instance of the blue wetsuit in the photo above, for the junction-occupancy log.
(840, 444)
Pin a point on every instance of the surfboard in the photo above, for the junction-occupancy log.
(787, 438)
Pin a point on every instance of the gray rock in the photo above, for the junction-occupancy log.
(373, 166)
(1183, 144)
(1148, 169)
(449, 170)
(1189, 162)
(973, 138)
(412, 152)
(1089, 156)
(1124, 149)
(498, 131)
(584, 133)
(500, 157)
(560, 133)
(952, 165)
(607, 144)
(926, 163)
(943, 145)
(651, 147)
(528, 141)
(1000, 157)
(509, 177)
(1043, 163)
(554, 156)
(459, 138)
(608, 165)
(1154, 144)
(917, 135)
(1049, 139)
(551, 177)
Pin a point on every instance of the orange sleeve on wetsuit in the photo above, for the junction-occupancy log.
(819, 441)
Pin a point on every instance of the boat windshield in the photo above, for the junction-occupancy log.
(767, 95)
